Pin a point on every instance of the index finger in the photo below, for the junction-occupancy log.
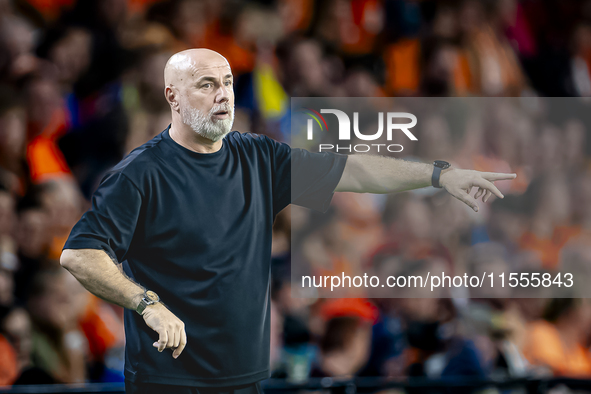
(497, 176)
(177, 352)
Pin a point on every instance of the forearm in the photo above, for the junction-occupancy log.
(379, 175)
(95, 270)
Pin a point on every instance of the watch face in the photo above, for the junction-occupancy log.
(441, 164)
(150, 295)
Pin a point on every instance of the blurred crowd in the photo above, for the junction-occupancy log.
(81, 84)
(541, 226)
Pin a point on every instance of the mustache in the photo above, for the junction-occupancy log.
(221, 107)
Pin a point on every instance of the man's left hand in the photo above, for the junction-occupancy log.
(459, 183)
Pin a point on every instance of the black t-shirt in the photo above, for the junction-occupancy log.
(196, 229)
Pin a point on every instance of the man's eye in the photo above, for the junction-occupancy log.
(207, 85)
(228, 83)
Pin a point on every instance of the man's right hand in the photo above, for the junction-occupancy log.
(169, 327)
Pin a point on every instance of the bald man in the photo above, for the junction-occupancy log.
(189, 216)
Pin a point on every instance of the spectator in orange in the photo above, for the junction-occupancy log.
(8, 363)
(550, 227)
(346, 342)
(559, 342)
(493, 65)
(47, 123)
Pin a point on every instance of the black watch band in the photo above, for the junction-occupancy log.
(438, 166)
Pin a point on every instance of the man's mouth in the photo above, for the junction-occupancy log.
(221, 114)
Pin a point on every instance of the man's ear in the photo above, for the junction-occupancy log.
(171, 95)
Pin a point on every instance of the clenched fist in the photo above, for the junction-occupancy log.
(171, 329)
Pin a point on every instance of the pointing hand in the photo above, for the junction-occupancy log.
(459, 183)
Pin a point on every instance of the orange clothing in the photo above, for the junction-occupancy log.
(44, 158)
(8, 363)
(403, 66)
(338, 265)
(545, 347)
(359, 29)
(140, 6)
(242, 59)
(358, 307)
(495, 69)
(51, 9)
(102, 327)
(548, 249)
(462, 75)
(56, 246)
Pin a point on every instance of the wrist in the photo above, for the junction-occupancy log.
(151, 308)
(148, 298)
(439, 167)
(444, 178)
(135, 302)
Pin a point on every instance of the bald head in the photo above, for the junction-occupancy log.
(186, 64)
(200, 91)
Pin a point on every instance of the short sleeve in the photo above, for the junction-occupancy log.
(110, 223)
(305, 178)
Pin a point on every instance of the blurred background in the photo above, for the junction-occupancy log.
(81, 84)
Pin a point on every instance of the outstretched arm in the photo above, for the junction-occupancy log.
(379, 175)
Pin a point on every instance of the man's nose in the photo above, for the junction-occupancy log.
(224, 93)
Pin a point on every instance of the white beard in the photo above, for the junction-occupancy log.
(204, 125)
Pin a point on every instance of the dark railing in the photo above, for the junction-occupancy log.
(361, 386)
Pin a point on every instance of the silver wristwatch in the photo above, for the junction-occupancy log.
(149, 298)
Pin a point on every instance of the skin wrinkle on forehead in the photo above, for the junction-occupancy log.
(191, 62)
